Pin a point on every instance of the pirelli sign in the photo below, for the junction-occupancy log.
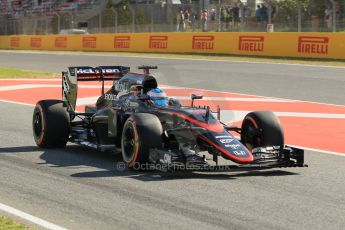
(277, 44)
(251, 43)
(204, 42)
(313, 45)
(158, 42)
(122, 42)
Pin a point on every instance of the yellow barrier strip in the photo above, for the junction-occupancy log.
(314, 45)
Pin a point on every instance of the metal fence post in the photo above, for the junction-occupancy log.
(334, 16)
(72, 20)
(115, 20)
(47, 25)
(58, 22)
(100, 22)
(299, 15)
(35, 26)
(17, 26)
(14, 26)
(243, 17)
(6, 27)
(151, 19)
(21, 26)
(133, 18)
(219, 16)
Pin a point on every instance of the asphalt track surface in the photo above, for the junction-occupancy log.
(81, 189)
(310, 83)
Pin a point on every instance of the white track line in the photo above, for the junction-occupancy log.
(33, 86)
(28, 217)
(190, 88)
(319, 150)
(245, 99)
(233, 116)
(26, 86)
(310, 149)
(86, 100)
(30, 79)
(18, 103)
(230, 115)
(251, 95)
(89, 100)
(238, 115)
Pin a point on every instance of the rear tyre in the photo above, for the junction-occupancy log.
(262, 129)
(141, 132)
(51, 124)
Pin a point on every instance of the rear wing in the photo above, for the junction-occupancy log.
(74, 74)
(100, 73)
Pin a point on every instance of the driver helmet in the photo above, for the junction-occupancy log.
(158, 97)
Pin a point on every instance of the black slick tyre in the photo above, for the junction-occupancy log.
(141, 132)
(51, 124)
(262, 129)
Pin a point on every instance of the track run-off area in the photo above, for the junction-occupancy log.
(77, 188)
(304, 123)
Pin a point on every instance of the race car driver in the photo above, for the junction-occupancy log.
(158, 97)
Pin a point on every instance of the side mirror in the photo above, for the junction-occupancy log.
(196, 96)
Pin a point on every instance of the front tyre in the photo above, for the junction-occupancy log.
(141, 132)
(51, 124)
(262, 129)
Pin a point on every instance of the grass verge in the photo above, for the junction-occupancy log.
(8, 224)
(17, 73)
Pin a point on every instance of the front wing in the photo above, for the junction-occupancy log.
(288, 157)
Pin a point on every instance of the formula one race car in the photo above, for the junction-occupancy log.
(137, 118)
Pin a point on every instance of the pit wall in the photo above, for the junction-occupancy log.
(306, 45)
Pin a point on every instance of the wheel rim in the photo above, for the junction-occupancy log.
(37, 124)
(129, 142)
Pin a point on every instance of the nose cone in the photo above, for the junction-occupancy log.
(230, 147)
(233, 149)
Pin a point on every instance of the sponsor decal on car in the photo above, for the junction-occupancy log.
(251, 43)
(226, 141)
(122, 42)
(96, 71)
(89, 42)
(15, 42)
(109, 97)
(205, 42)
(109, 71)
(60, 42)
(223, 137)
(240, 153)
(158, 42)
(233, 146)
(313, 45)
(122, 86)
